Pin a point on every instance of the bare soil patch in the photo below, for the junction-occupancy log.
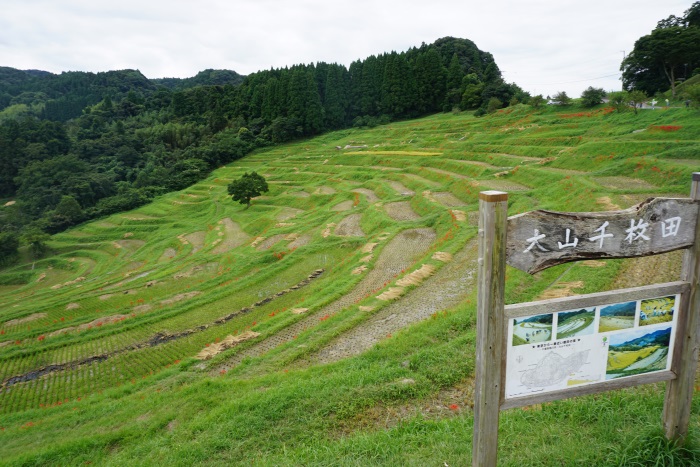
(447, 199)
(477, 164)
(563, 171)
(401, 211)
(26, 319)
(146, 307)
(130, 245)
(180, 297)
(270, 242)
(288, 213)
(442, 256)
(593, 263)
(449, 174)
(369, 194)
(607, 203)
(196, 239)
(624, 183)
(460, 216)
(228, 342)
(401, 189)
(72, 306)
(369, 247)
(300, 241)
(349, 227)
(234, 236)
(503, 185)
(299, 194)
(168, 254)
(327, 230)
(344, 206)
(561, 289)
(208, 268)
(325, 190)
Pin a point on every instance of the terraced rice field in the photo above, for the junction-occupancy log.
(311, 272)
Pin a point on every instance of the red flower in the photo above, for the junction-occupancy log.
(454, 407)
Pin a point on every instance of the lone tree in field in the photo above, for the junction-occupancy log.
(247, 187)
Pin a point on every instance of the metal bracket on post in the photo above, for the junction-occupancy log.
(490, 353)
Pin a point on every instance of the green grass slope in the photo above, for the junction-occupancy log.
(346, 298)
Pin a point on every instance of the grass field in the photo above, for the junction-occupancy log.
(346, 293)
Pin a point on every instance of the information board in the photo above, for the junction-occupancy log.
(588, 345)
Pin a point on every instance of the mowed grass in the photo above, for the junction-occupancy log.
(180, 264)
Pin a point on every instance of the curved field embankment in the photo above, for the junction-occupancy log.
(447, 288)
(391, 262)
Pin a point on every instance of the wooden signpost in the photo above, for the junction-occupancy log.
(529, 353)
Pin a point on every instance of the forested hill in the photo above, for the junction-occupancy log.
(62, 97)
(79, 145)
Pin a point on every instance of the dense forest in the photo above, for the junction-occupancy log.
(78, 145)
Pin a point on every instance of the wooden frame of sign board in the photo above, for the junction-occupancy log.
(602, 235)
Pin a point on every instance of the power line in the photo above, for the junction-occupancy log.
(569, 82)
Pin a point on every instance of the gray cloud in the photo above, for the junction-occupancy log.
(545, 46)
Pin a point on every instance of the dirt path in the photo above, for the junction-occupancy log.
(392, 260)
(448, 287)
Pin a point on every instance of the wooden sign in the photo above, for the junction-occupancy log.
(534, 352)
(541, 239)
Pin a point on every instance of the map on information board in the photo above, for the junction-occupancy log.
(569, 348)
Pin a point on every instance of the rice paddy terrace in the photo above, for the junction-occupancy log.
(362, 234)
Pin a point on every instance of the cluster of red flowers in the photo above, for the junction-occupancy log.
(668, 128)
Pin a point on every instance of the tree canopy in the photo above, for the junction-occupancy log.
(669, 54)
(247, 187)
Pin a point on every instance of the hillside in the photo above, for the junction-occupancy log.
(345, 296)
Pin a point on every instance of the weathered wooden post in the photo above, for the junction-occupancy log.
(490, 337)
(536, 352)
(679, 392)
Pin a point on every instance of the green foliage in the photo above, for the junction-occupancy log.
(537, 101)
(592, 96)
(636, 99)
(247, 187)
(693, 93)
(619, 100)
(670, 53)
(562, 99)
(9, 242)
(36, 239)
(493, 105)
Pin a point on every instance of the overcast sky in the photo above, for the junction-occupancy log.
(544, 46)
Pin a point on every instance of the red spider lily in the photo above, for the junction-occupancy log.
(454, 407)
